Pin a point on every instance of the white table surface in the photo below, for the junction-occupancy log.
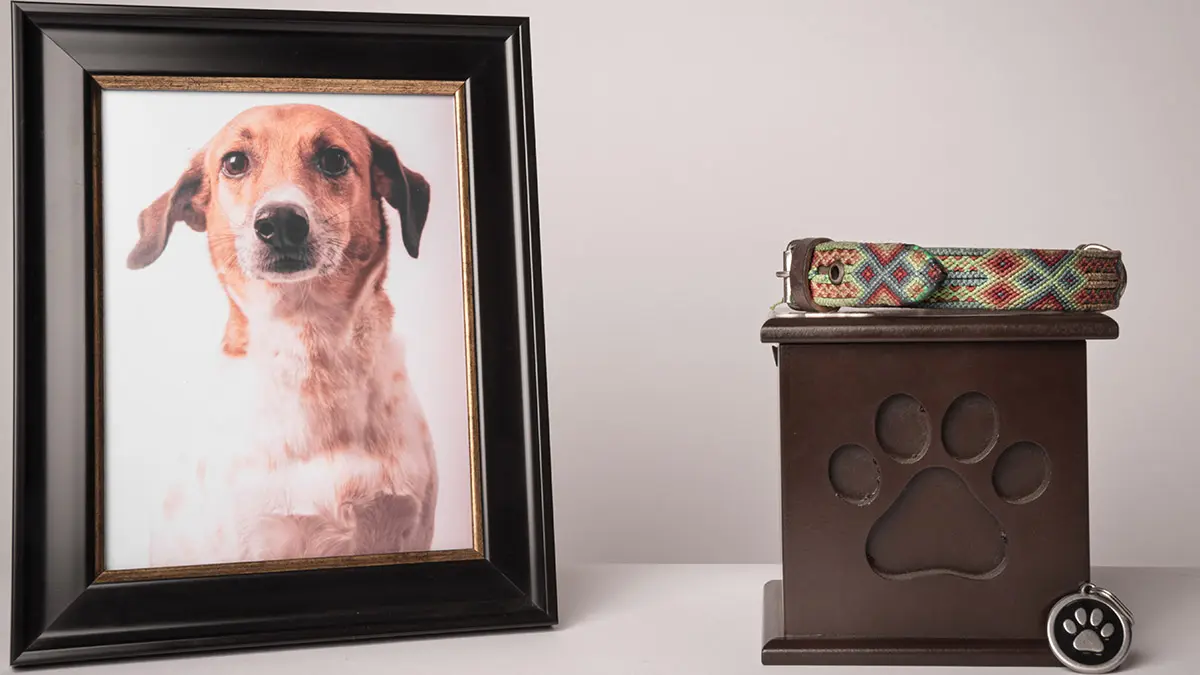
(689, 619)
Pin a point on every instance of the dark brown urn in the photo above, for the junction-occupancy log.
(934, 485)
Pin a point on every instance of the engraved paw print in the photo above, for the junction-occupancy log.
(1084, 627)
(969, 540)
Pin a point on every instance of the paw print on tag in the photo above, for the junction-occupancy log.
(1087, 634)
(1085, 627)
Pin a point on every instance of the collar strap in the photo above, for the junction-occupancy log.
(822, 275)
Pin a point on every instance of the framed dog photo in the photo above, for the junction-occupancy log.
(280, 363)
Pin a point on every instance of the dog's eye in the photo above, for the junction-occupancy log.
(333, 162)
(235, 164)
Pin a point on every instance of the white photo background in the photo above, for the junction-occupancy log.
(167, 386)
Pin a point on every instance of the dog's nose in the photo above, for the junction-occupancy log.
(282, 226)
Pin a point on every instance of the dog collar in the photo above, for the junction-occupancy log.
(821, 275)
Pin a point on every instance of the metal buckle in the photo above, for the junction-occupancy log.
(797, 258)
(784, 274)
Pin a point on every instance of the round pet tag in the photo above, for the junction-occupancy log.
(1090, 631)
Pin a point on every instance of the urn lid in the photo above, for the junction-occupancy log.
(786, 326)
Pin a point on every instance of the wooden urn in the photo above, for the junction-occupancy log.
(934, 485)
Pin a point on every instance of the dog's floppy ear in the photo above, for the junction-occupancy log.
(185, 202)
(406, 190)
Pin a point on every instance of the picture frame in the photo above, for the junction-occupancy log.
(69, 602)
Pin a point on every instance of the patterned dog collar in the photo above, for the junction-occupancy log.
(821, 275)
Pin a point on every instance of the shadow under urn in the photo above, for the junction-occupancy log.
(934, 485)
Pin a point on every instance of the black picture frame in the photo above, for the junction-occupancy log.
(59, 612)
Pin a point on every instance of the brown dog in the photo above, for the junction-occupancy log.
(341, 463)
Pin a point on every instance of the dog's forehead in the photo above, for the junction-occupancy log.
(292, 123)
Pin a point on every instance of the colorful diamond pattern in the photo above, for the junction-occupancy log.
(892, 275)
(897, 275)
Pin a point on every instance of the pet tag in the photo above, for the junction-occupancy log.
(1090, 631)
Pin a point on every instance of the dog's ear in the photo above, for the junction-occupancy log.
(185, 202)
(406, 190)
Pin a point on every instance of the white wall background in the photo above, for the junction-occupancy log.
(682, 143)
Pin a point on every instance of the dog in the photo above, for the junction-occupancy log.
(341, 462)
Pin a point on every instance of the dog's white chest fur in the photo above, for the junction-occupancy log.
(299, 402)
(327, 453)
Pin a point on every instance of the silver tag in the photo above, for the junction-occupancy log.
(1090, 631)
